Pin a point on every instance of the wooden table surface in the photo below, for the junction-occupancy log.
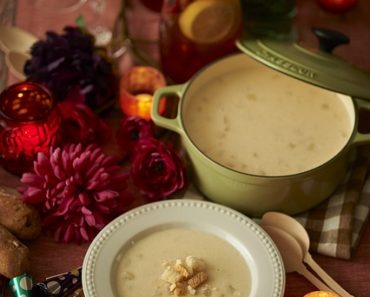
(50, 258)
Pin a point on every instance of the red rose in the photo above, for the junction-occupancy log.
(131, 130)
(157, 170)
(81, 125)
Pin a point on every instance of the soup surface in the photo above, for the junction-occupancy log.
(141, 265)
(258, 121)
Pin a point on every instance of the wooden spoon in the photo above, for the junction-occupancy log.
(15, 39)
(15, 62)
(295, 229)
(292, 255)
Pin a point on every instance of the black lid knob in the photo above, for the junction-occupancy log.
(329, 39)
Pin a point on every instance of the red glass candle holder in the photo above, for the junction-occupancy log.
(29, 124)
(136, 91)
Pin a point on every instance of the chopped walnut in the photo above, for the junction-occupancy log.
(180, 289)
(198, 279)
(184, 276)
(180, 268)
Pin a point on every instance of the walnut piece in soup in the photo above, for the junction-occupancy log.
(182, 262)
(185, 275)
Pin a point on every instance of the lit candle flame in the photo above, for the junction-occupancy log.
(143, 105)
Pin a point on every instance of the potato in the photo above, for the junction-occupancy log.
(18, 217)
(14, 255)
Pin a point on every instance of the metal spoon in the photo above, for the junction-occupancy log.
(295, 229)
(292, 255)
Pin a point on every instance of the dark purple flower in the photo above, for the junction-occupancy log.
(73, 68)
(77, 189)
(130, 131)
(157, 170)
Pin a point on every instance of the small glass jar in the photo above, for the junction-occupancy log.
(195, 33)
(29, 124)
(269, 18)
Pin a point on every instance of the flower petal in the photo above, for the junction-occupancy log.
(105, 195)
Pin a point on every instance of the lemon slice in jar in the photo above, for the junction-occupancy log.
(209, 21)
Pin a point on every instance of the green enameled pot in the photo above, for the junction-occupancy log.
(251, 194)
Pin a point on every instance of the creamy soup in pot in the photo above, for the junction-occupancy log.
(258, 121)
(148, 266)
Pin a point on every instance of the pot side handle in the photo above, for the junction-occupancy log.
(171, 124)
(361, 138)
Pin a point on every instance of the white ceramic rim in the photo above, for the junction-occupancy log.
(256, 247)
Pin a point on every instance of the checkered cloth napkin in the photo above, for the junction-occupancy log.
(335, 226)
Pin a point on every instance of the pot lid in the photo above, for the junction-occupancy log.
(320, 68)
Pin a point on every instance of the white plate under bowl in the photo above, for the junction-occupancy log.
(255, 246)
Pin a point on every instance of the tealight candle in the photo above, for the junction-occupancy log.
(29, 124)
(136, 91)
(321, 294)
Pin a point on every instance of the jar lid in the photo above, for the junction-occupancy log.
(320, 68)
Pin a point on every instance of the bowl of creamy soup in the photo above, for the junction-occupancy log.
(184, 248)
(259, 140)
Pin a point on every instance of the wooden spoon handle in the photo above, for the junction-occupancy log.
(313, 279)
(326, 277)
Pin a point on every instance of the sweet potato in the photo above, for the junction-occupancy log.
(18, 217)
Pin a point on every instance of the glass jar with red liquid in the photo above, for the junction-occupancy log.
(29, 123)
(154, 5)
(194, 33)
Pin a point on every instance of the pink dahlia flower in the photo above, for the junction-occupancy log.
(130, 131)
(157, 170)
(78, 191)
